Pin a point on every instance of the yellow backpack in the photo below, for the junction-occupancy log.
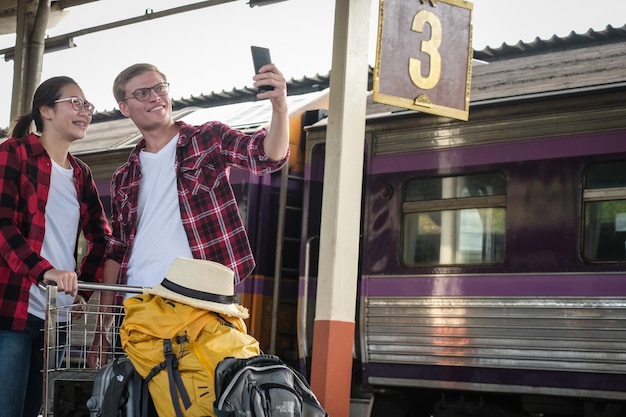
(176, 347)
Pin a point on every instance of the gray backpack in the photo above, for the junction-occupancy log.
(262, 386)
(116, 390)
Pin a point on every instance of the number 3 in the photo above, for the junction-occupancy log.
(430, 47)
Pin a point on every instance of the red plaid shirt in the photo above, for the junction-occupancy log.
(208, 208)
(25, 170)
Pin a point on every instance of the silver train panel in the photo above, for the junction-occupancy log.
(543, 334)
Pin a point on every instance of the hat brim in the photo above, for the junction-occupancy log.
(230, 310)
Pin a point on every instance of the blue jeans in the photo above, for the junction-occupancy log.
(21, 364)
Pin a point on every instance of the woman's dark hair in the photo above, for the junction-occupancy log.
(45, 95)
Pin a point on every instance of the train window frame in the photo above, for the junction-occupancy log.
(454, 248)
(604, 213)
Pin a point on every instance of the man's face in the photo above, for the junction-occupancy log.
(143, 104)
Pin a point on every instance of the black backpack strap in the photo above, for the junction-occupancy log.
(122, 373)
(144, 397)
(175, 380)
(136, 384)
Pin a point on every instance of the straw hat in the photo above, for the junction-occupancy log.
(202, 284)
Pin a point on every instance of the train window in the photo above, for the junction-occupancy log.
(454, 220)
(604, 233)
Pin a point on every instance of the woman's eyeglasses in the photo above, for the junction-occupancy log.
(78, 104)
(143, 94)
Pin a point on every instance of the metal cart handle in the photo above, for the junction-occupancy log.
(99, 286)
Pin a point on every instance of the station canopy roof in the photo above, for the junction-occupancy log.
(8, 13)
(8, 10)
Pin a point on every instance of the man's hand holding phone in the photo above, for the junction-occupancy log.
(271, 84)
(260, 57)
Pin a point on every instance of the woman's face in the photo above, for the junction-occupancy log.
(70, 116)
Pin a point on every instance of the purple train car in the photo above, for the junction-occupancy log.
(492, 274)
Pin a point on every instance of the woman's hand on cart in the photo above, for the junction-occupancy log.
(66, 281)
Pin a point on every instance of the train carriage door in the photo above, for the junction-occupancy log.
(311, 224)
(309, 258)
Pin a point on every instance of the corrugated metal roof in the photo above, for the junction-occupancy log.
(539, 46)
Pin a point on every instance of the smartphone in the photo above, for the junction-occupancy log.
(260, 57)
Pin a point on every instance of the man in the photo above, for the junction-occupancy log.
(172, 198)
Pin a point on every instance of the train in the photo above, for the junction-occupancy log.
(493, 252)
(492, 260)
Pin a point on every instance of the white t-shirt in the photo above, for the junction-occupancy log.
(160, 234)
(59, 241)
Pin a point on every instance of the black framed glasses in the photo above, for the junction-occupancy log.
(143, 94)
(78, 104)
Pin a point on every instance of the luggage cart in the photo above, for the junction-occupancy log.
(67, 378)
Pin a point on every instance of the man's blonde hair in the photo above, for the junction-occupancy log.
(119, 85)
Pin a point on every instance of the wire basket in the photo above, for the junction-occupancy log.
(68, 379)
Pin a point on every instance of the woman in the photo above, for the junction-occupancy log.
(47, 198)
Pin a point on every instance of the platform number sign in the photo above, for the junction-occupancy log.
(424, 56)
